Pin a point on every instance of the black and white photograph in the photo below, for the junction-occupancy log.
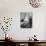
(26, 19)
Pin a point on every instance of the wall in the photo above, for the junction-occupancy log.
(12, 8)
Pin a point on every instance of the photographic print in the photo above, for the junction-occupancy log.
(26, 19)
